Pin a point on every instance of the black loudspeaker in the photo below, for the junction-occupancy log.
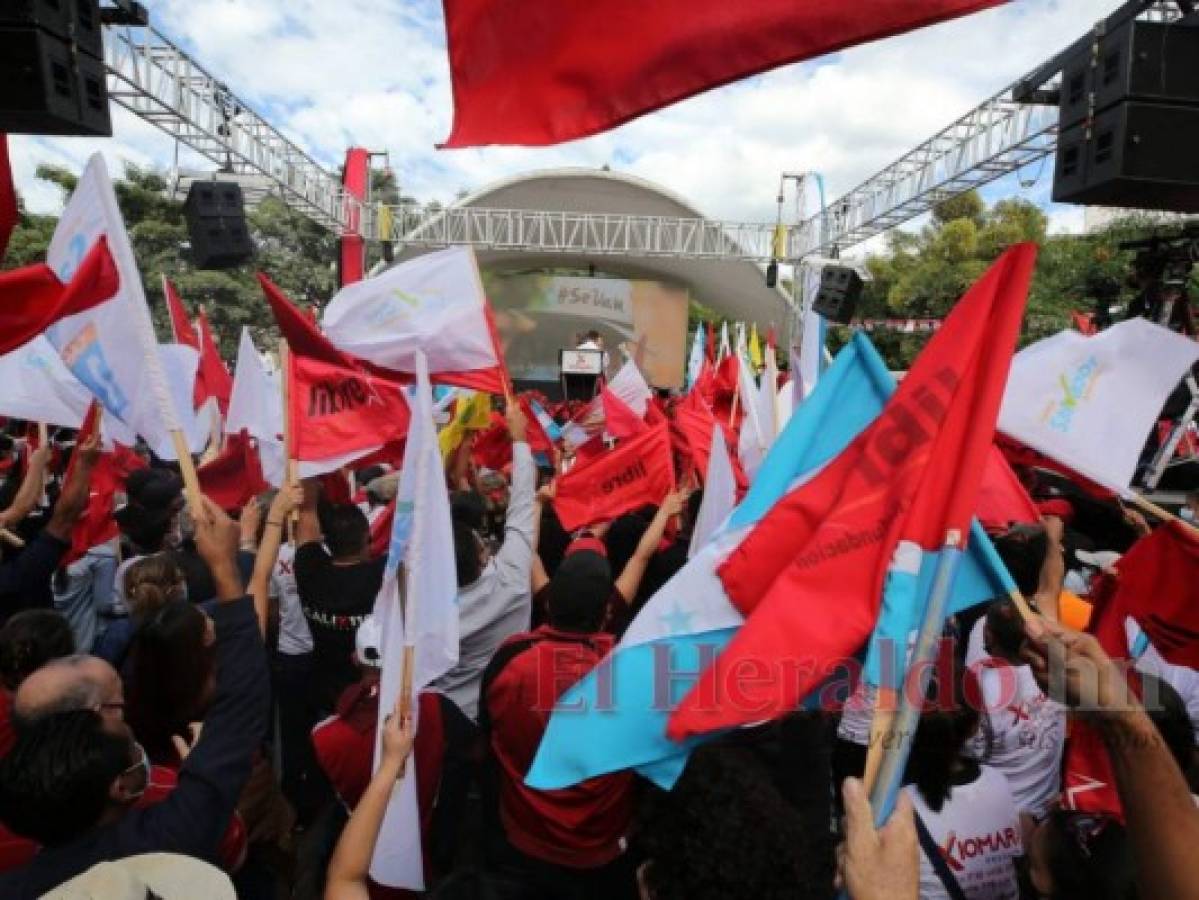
(72, 21)
(1135, 155)
(840, 288)
(50, 87)
(1139, 61)
(216, 224)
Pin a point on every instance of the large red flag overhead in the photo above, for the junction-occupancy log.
(809, 577)
(537, 73)
(337, 407)
(212, 378)
(638, 472)
(32, 298)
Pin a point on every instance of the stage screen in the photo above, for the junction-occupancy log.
(538, 315)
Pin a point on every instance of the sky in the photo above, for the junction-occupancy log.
(374, 73)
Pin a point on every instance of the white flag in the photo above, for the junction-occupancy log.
(427, 622)
(111, 348)
(696, 360)
(1091, 402)
(37, 385)
(631, 387)
(256, 405)
(720, 493)
(434, 304)
(767, 399)
(725, 348)
(807, 365)
(752, 442)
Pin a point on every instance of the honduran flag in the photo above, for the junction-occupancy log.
(615, 718)
(434, 304)
(181, 328)
(810, 577)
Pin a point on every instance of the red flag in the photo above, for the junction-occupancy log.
(97, 524)
(1084, 322)
(619, 420)
(492, 448)
(543, 73)
(212, 378)
(809, 577)
(32, 298)
(337, 407)
(234, 477)
(539, 441)
(1018, 454)
(1157, 585)
(381, 530)
(1002, 499)
(8, 197)
(693, 424)
(638, 472)
(709, 344)
(336, 488)
(181, 329)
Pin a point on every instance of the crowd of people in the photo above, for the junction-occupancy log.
(192, 709)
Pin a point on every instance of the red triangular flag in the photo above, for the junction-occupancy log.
(181, 329)
(638, 472)
(32, 298)
(212, 378)
(1002, 499)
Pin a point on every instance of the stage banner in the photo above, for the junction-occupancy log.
(539, 314)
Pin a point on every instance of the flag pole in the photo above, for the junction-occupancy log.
(898, 740)
(289, 476)
(1164, 514)
(736, 397)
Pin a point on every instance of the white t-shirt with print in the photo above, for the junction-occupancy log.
(294, 636)
(978, 833)
(1022, 731)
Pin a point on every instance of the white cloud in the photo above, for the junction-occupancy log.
(374, 73)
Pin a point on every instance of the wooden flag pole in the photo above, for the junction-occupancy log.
(187, 468)
(285, 390)
(736, 397)
(1164, 514)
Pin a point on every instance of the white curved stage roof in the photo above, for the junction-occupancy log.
(734, 288)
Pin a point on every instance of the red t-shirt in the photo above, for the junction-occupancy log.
(583, 826)
(345, 748)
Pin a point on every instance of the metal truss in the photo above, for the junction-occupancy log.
(593, 234)
(158, 82)
(996, 139)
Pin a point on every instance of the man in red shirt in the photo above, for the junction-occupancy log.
(570, 842)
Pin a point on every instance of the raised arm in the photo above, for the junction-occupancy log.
(350, 865)
(30, 490)
(1163, 822)
(308, 529)
(630, 577)
(538, 577)
(515, 556)
(1053, 571)
(287, 499)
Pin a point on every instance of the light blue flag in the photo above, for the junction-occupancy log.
(615, 717)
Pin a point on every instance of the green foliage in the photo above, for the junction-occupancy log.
(922, 274)
(296, 253)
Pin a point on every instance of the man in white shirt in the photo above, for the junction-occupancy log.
(1023, 730)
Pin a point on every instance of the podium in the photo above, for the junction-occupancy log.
(580, 372)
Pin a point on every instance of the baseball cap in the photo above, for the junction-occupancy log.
(368, 643)
(170, 875)
(1098, 559)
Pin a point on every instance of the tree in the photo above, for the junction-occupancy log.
(294, 251)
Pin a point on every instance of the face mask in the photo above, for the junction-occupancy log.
(142, 766)
(1186, 514)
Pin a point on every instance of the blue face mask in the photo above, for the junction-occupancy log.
(1186, 514)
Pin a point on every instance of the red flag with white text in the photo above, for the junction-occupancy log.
(639, 471)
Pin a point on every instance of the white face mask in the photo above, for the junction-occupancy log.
(1186, 514)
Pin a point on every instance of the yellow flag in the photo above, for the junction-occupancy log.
(755, 347)
(472, 413)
